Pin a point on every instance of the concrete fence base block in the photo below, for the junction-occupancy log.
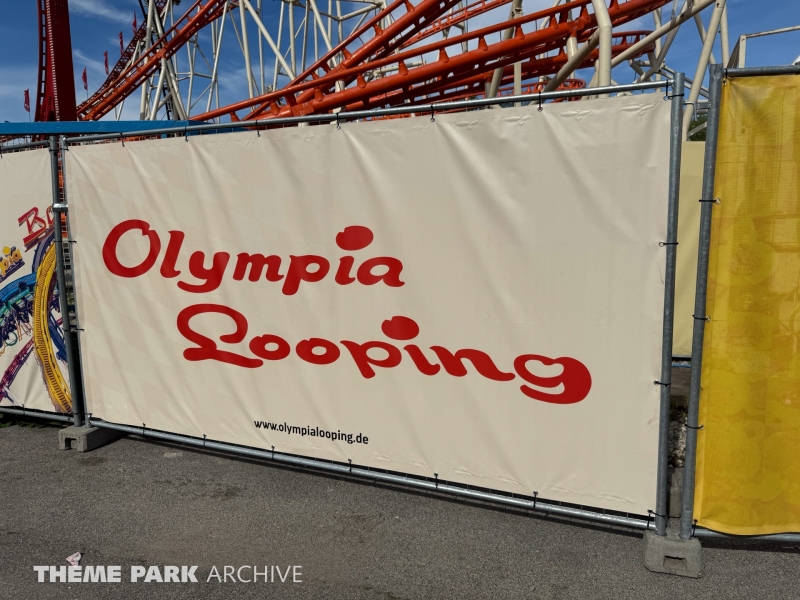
(85, 439)
(673, 555)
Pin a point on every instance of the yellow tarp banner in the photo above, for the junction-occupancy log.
(748, 461)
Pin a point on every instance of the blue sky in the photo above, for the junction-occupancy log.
(97, 23)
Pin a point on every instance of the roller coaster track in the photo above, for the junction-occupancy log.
(57, 387)
(131, 76)
(326, 85)
(397, 35)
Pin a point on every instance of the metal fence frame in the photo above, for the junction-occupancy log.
(120, 131)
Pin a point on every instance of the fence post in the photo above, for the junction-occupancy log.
(75, 388)
(671, 246)
(709, 169)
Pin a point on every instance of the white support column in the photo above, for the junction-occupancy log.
(318, 19)
(246, 52)
(261, 54)
(159, 86)
(603, 65)
(497, 75)
(146, 82)
(292, 34)
(669, 26)
(216, 48)
(724, 40)
(574, 62)
(265, 33)
(657, 22)
(701, 30)
(305, 38)
(171, 78)
(280, 34)
(702, 64)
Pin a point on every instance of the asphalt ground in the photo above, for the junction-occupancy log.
(139, 502)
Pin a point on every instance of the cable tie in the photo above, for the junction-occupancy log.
(540, 101)
(701, 318)
(273, 452)
(662, 244)
(204, 440)
(433, 119)
(337, 121)
(185, 134)
(351, 465)
(695, 428)
(714, 201)
(535, 495)
(436, 477)
(654, 513)
(143, 429)
(661, 383)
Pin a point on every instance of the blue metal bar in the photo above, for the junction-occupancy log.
(84, 127)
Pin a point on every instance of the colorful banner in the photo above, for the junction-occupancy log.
(475, 299)
(33, 358)
(748, 472)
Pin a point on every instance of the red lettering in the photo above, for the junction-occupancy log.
(258, 346)
(343, 276)
(110, 249)
(364, 362)
(422, 364)
(257, 262)
(576, 379)
(354, 237)
(400, 328)
(391, 277)
(49, 214)
(305, 350)
(36, 225)
(298, 271)
(168, 269)
(481, 361)
(212, 277)
(206, 347)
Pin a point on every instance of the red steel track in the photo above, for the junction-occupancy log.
(379, 67)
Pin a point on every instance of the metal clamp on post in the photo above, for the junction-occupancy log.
(60, 208)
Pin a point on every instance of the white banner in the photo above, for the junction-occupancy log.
(477, 299)
(33, 357)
